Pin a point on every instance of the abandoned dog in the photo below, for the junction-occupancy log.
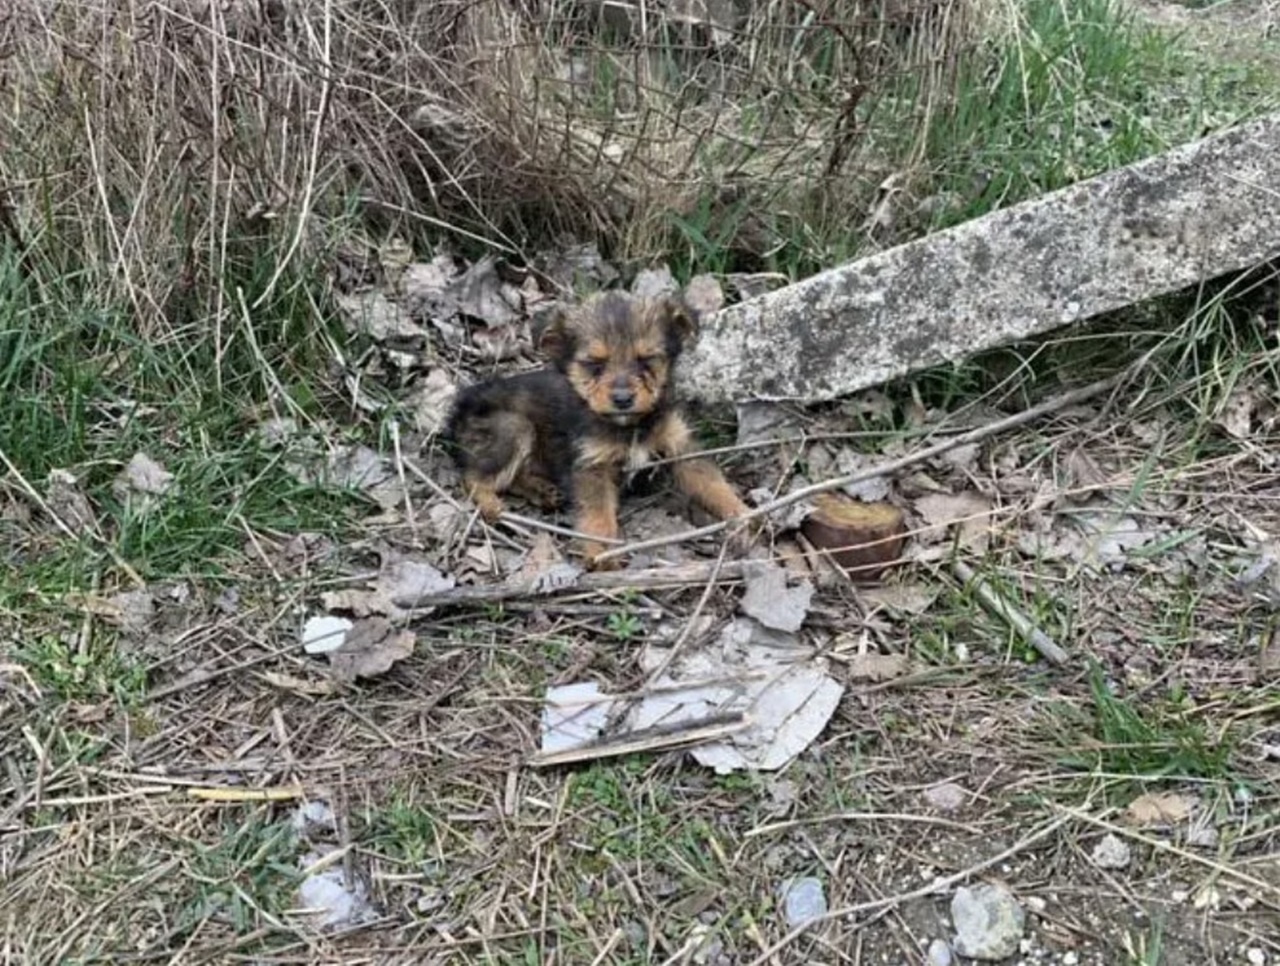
(566, 435)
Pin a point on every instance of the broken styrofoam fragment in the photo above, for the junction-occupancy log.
(574, 715)
(323, 634)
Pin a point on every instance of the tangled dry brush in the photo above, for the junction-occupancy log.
(152, 141)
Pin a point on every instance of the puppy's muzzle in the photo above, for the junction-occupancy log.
(622, 398)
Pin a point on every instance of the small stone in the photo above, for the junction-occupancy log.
(313, 818)
(988, 922)
(947, 797)
(1111, 852)
(802, 900)
(1070, 959)
(939, 953)
(1255, 956)
(1202, 836)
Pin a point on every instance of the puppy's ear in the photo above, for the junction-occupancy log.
(682, 320)
(552, 337)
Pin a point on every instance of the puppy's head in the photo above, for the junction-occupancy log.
(618, 350)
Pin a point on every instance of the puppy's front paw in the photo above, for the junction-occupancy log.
(591, 554)
(490, 507)
(745, 535)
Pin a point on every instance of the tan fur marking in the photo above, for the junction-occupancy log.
(703, 481)
(597, 498)
(601, 453)
(483, 494)
(672, 436)
(537, 489)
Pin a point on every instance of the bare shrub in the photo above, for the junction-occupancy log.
(159, 141)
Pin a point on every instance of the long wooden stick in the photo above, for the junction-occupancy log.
(654, 578)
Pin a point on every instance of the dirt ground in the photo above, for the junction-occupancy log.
(1126, 798)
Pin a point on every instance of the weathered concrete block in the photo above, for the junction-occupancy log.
(1198, 211)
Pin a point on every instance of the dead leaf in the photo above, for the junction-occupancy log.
(968, 510)
(276, 431)
(1269, 656)
(86, 714)
(479, 559)
(785, 691)
(371, 647)
(374, 315)
(431, 401)
(67, 501)
(394, 255)
(1160, 808)
(544, 567)
(144, 475)
(133, 610)
(579, 268)
(356, 467)
(405, 582)
(761, 422)
(424, 280)
(902, 598)
(654, 282)
(574, 715)
(542, 554)
(334, 901)
(1083, 471)
(130, 610)
(500, 343)
(447, 520)
(873, 490)
(770, 601)
(1107, 537)
(789, 517)
(962, 459)
(397, 590)
(704, 294)
(480, 293)
(780, 685)
(357, 601)
(871, 666)
(287, 682)
(1235, 415)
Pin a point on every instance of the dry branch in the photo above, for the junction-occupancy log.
(1055, 404)
(654, 578)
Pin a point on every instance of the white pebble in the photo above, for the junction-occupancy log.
(939, 953)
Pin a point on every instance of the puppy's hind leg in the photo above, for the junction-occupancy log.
(495, 452)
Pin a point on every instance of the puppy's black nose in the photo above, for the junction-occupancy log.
(622, 398)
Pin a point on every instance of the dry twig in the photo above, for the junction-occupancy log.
(1063, 401)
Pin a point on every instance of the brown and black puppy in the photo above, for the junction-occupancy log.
(567, 435)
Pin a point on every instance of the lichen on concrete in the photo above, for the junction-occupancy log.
(1198, 211)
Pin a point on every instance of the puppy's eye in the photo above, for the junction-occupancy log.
(646, 363)
(594, 368)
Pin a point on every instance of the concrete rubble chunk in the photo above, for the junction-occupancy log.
(1193, 213)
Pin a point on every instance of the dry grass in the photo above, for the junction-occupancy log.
(157, 141)
(474, 857)
(197, 164)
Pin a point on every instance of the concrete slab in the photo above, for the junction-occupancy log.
(1198, 211)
